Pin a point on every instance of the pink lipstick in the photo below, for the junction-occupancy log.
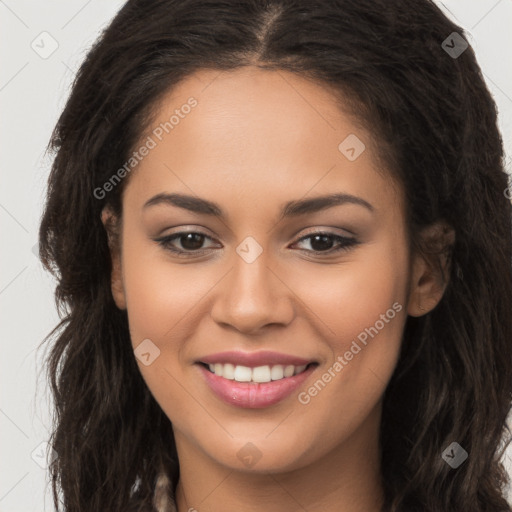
(254, 380)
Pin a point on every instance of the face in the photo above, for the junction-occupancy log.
(270, 276)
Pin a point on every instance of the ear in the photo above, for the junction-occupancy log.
(110, 222)
(430, 272)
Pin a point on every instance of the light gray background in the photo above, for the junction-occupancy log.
(33, 90)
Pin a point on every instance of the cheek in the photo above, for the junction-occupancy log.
(363, 306)
(159, 294)
(348, 298)
(349, 387)
(161, 298)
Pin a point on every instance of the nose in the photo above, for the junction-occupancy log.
(253, 296)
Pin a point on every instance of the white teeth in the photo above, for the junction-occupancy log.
(261, 374)
(288, 370)
(299, 369)
(243, 374)
(258, 374)
(228, 371)
(277, 372)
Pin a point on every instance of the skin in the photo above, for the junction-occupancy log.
(255, 140)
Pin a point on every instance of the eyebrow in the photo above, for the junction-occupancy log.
(289, 209)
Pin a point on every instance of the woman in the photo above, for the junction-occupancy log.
(283, 246)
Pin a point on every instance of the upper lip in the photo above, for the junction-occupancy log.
(254, 359)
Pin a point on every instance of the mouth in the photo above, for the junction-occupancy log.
(258, 374)
(254, 387)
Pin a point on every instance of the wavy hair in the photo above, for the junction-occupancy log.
(435, 124)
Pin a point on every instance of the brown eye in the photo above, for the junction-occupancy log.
(191, 241)
(184, 243)
(322, 243)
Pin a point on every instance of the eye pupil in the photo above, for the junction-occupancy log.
(325, 242)
(192, 241)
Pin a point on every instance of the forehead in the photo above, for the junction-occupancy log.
(257, 134)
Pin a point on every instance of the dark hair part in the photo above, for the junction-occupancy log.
(438, 122)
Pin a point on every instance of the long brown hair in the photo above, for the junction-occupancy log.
(436, 125)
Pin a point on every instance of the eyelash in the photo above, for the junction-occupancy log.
(165, 242)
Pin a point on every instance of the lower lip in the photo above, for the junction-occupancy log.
(254, 395)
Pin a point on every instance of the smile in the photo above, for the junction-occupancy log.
(248, 392)
(258, 374)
